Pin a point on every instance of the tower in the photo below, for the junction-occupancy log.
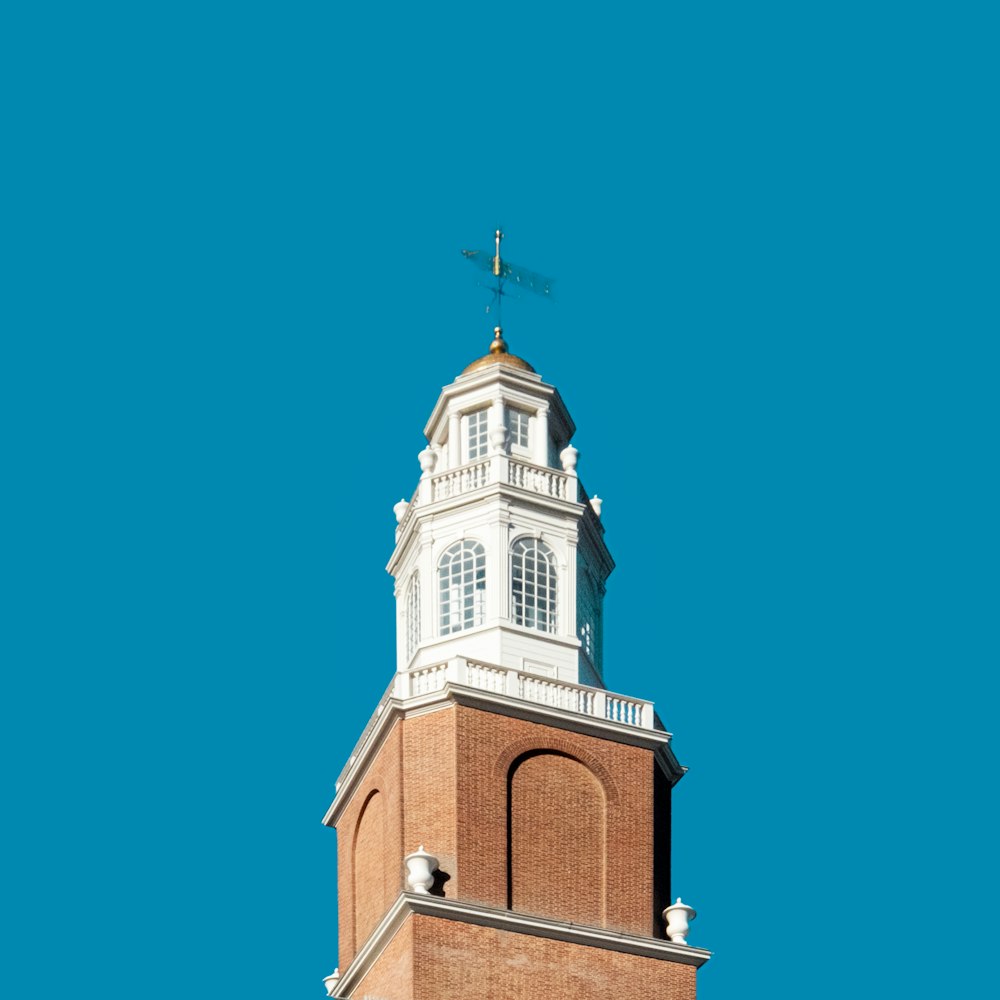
(504, 820)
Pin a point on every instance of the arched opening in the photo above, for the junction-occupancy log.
(557, 837)
(369, 868)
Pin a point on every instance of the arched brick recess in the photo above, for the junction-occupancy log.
(553, 742)
(557, 838)
(371, 888)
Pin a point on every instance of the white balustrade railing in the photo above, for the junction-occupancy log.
(589, 701)
(459, 481)
(595, 702)
(625, 710)
(486, 678)
(548, 692)
(500, 468)
(427, 680)
(548, 482)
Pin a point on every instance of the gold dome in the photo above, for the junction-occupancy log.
(498, 356)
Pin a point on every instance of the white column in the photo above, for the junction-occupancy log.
(540, 450)
(567, 611)
(496, 570)
(496, 413)
(429, 587)
(401, 623)
(454, 440)
(498, 427)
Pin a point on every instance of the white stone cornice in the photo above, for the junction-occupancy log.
(485, 499)
(391, 708)
(512, 381)
(409, 903)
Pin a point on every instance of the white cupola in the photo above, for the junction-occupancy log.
(500, 556)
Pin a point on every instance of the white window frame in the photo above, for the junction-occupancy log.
(519, 420)
(413, 615)
(462, 587)
(476, 440)
(534, 585)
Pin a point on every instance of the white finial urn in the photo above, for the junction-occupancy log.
(498, 440)
(595, 504)
(331, 982)
(399, 509)
(568, 456)
(428, 459)
(420, 869)
(678, 918)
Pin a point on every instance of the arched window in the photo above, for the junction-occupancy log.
(462, 575)
(413, 615)
(533, 584)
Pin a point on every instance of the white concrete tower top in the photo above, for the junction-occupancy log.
(500, 556)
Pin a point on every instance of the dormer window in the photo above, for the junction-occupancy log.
(476, 435)
(517, 427)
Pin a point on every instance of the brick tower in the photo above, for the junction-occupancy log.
(504, 821)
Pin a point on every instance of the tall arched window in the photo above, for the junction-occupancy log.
(462, 576)
(413, 615)
(533, 584)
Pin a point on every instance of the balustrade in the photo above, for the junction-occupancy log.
(485, 678)
(458, 481)
(548, 482)
(534, 478)
(427, 680)
(593, 702)
(623, 710)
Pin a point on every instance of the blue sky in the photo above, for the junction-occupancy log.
(233, 290)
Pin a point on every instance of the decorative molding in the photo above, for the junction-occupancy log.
(409, 903)
(557, 745)
(517, 708)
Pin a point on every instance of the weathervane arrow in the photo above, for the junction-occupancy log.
(505, 272)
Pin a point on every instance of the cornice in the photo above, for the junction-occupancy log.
(409, 903)
(393, 708)
(531, 383)
(485, 495)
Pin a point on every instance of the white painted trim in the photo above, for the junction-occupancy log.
(482, 497)
(517, 708)
(515, 923)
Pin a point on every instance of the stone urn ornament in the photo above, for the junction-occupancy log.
(595, 504)
(498, 440)
(399, 509)
(331, 982)
(678, 918)
(428, 459)
(568, 456)
(420, 869)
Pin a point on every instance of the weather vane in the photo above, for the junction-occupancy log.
(504, 272)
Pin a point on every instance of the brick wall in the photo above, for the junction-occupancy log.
(462, 781)
(489, 748)
(364, 895)
(391, 977)
(457, 961)
(429, 795)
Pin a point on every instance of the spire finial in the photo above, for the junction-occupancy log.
(499, 345)
(497, 264)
